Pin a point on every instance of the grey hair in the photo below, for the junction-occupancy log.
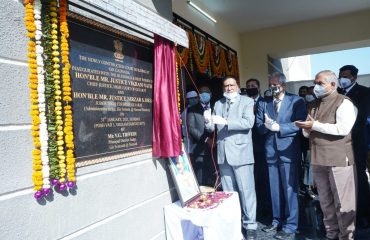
(281, 76)
(329, 76)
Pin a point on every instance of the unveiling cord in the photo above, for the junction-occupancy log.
(217, 181)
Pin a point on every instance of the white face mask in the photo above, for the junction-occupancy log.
(319, 91)
(345, 82)
(309, 98)
(231, 96)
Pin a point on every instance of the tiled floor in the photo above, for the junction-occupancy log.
(310, 224)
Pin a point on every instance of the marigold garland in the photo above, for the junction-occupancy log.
(67, 93)
(50, 89)
(33, 84)
(201, 53)
(41, 98)
(51, 99)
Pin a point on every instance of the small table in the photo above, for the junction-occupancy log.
(219, 223)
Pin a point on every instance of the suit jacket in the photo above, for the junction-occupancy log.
(197, 131)
(285, 143)
(234, 140)
(258, 139)
(360, 97)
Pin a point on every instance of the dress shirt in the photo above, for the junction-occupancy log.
(345, 118)
(206, 106)
(279, 103)
(349, 89)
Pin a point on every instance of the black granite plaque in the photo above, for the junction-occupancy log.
(112, 85)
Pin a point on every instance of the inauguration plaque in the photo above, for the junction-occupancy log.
(112, 85)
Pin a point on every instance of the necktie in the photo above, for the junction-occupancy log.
(228, 108)
(206, 107)
(276, 105)
(344, 92)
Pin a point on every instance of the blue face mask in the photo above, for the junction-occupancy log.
(193, 101)
(345, 82)
(319, 91)
(309, 98)
(205, 97)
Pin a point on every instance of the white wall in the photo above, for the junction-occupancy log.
(121, 199)
(221, 30)
(321, 35)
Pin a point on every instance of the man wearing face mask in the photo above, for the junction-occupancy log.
(276, 118)
(191, 100)
(260, 164)
(360, 97)
(328, 126)
(310, 97)
(202, 139)
(233, 117)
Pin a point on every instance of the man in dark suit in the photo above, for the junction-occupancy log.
(260, 165)
(360, 97)
(276, 118)
(202, 139)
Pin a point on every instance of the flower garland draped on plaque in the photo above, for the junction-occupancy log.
(208, 57)
(51, 98)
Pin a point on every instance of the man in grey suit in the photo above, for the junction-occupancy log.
(234, 118)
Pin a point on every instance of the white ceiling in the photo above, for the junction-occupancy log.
(248, 15)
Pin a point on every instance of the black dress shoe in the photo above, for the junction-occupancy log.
(251, 234)
(281, 235)
(271, 228)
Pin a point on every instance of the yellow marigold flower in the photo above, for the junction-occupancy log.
(58, 92)
(34, 112)
(57, 97)
(57, 86)
(59, 118)
(56, 60)
(35, 134)
(58, 108)
(59, 122)
(69, 137)
(60, 143)
(56, 72)
(60, 152)
(60, 133)
(37, 167)
(38, 182)
(70, 145)
(67, 107)
(56, 66)
(67, 89)
(62, 165)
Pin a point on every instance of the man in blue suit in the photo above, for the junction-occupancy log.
(233, 115)
(275, 118)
